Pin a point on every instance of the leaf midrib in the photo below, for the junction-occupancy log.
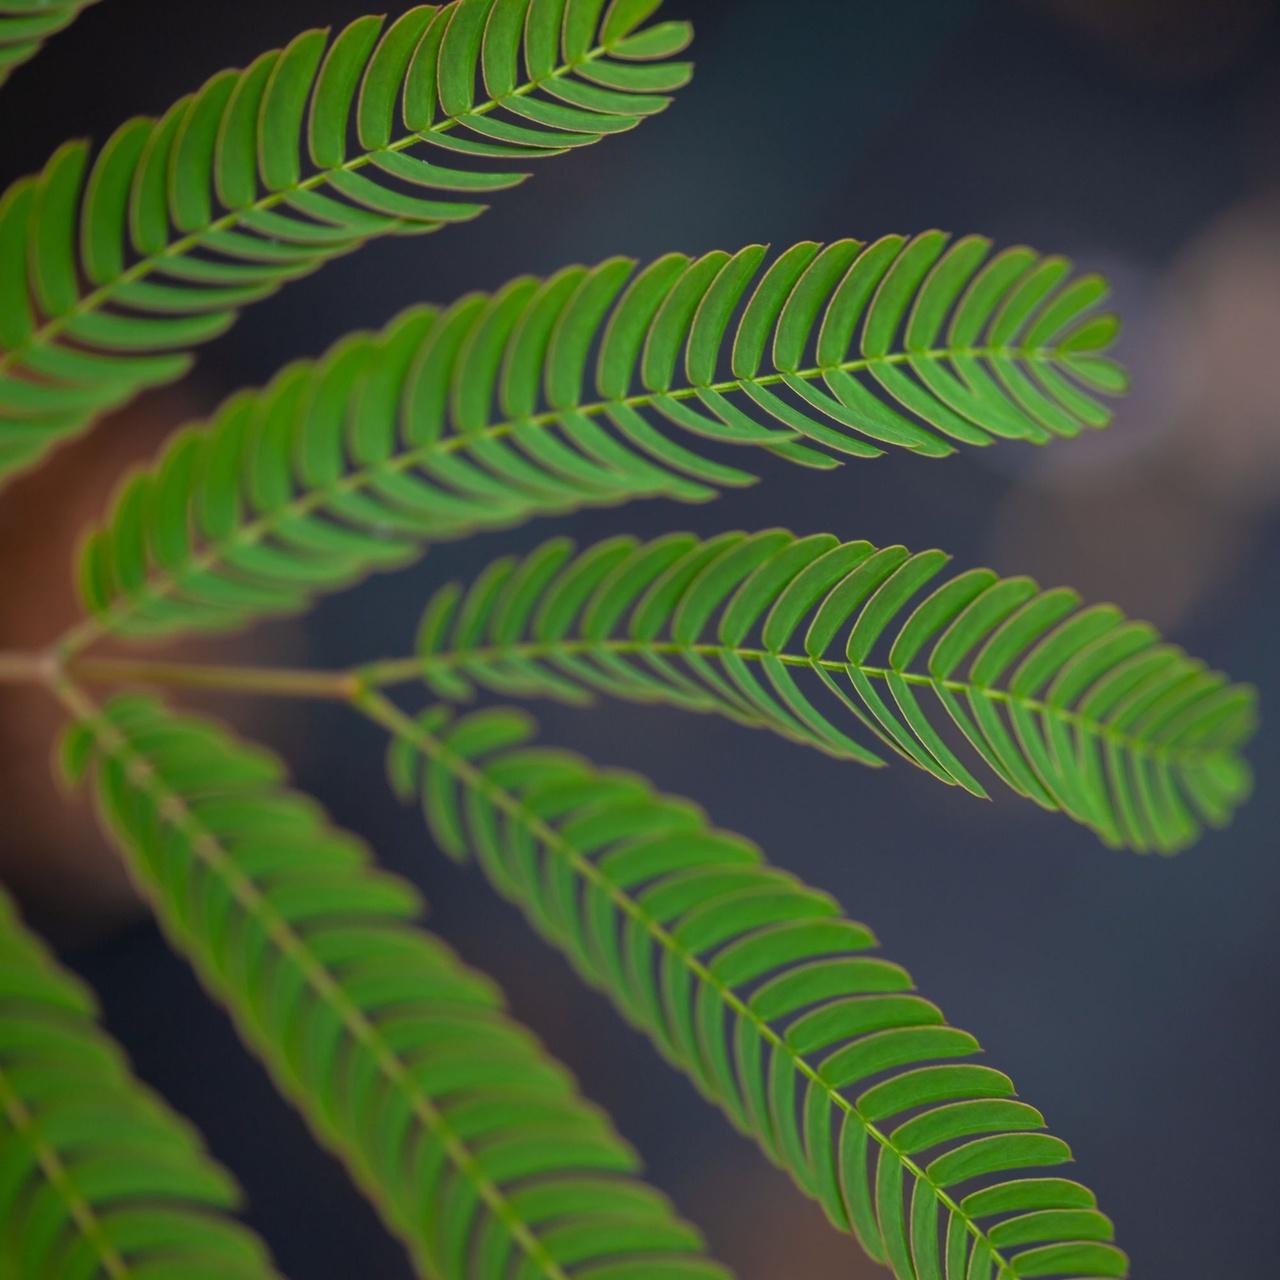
(145, 266)
(384, 712)
(174, 810)
(59, 1177)
(403, 669)
(158, 586)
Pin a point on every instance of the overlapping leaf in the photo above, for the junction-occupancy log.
(472, 1141)
(100, 1178)
(484, 414)
(26, 24)
(113, 270)
(1075, 707)
(772, 1002)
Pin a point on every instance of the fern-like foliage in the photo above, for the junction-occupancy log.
(473, 1143)
(757, 987)
(26, 24)
(1076, 707)
(99, 1177)
(483, 415)
(112, 271)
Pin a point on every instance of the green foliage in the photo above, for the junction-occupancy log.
(112, 271)
(484, 414)
(472, 1142)
(758, 988)
(590, 387)
(97, 1176)
(26, 24)
(1077, 708)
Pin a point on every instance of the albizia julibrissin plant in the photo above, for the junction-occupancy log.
(589, 387)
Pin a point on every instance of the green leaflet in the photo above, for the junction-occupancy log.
(592, 387)
(115, 268)
(473, 1143)
(776, 1006)
(101, 1178)
(26, 24)
(1077, 708)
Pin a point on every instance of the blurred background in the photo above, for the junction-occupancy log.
(1132, 999)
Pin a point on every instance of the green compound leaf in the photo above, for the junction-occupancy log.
(26, 24)
(1077, 708)
(113, 269)
(773, 1003)
(471, 1140)
(101, 1178)
(487, 413)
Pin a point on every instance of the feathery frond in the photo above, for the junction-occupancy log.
(113, 271)
(1075, 707)
(759, 989)
(100, 1177)
(26, 24)
(473, 1143)
(483, 415)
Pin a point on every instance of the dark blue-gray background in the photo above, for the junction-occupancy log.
(1132, 999)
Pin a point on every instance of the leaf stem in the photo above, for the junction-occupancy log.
(345, 685)
(33, 667)
(278, 682)
(21, 667)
